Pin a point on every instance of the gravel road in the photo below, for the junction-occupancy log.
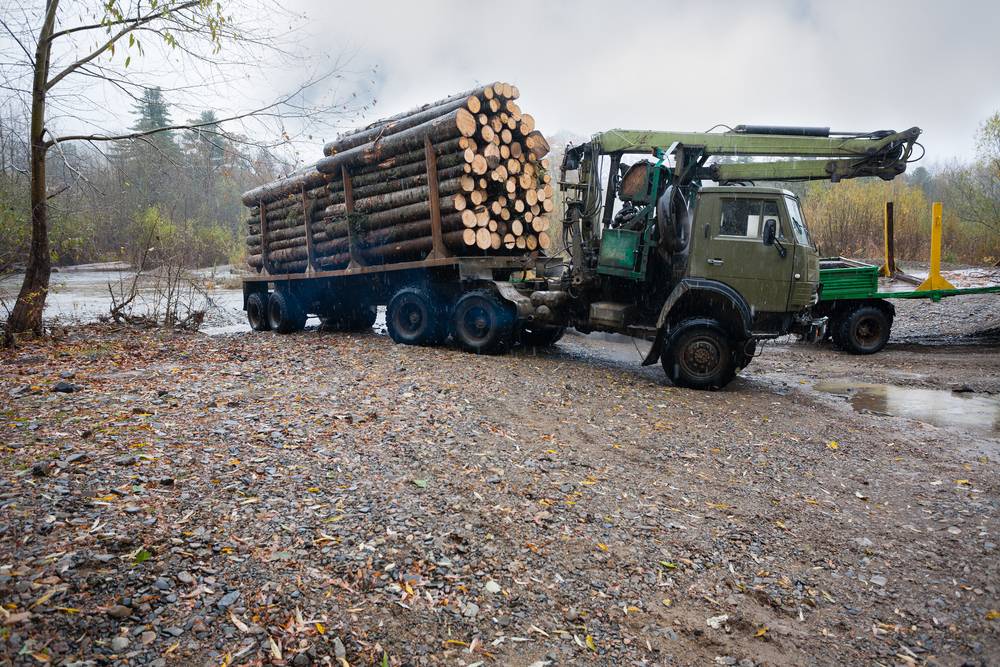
(329, 498)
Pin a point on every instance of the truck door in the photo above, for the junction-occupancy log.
(732, 250)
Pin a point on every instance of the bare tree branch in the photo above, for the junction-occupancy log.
(6, 27)
(130, 26)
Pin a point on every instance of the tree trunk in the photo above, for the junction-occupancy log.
(27, 313)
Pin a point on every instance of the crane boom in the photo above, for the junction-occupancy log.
(810, 153)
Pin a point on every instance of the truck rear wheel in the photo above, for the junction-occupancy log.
(284, 313)
(482, 323)
(257, 311)
(413, 317)
(699, 355)
(541, 336)
(864, 330)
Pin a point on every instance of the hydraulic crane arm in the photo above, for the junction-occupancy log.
(809, 153)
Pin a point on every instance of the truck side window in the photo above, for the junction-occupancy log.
(771, 213)
(741, 217)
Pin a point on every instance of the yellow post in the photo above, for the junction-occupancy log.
(934, 279)
(888, 269)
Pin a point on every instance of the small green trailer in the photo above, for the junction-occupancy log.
(857, 302)
(854, 295)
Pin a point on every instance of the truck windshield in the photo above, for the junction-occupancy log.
(798, 222)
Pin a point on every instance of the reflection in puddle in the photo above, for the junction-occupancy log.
(934, 406)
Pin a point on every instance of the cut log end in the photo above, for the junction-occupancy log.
(466, 123)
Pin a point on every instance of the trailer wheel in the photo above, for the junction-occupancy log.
(482, 323)
(541, 336)
(413, 317)
(865, 330)
(284, 314)
(699, 355)
(257, 311)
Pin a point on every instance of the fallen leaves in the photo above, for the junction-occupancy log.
(240, 625)
(275, 648)
(140, 556)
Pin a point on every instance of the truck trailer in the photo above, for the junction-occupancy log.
(703, 272)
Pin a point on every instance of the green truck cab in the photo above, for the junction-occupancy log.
(755, 240)
(702, 272)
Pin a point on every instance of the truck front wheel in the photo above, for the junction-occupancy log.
(864, 330)
(699, 355)
(413, 318)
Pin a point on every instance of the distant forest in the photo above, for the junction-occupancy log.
(178, 192)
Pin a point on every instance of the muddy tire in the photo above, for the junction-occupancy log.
(414, 317)
(257, 311)
(541, 336)
(699, 355)
(483, 323)
(864, 330)
(284, 313)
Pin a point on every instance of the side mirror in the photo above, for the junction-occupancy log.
(770, 231)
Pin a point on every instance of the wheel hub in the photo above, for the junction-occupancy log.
(412, 318)
(702, 357)
(478, 322)
(868, 331)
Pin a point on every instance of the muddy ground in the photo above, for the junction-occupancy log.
(329, 498)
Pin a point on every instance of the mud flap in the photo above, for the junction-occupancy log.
(654, 351)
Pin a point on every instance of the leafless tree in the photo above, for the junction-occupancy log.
(94, 44)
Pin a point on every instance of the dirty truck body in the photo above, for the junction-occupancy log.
(702, 272)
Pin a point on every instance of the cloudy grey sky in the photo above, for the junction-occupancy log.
(591, 65)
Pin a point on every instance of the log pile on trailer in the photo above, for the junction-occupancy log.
(465, 175)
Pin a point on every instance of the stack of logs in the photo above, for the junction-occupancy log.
(474, 161)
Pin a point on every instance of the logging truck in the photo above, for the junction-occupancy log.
(703, 272)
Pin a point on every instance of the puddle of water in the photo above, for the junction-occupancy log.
(934, 406)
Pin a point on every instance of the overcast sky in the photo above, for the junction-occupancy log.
(592, 65)
(587, 66)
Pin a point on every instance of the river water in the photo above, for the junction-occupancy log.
(81, 294)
